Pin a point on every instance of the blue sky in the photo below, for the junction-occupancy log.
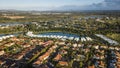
(43, 3)
(60, 4)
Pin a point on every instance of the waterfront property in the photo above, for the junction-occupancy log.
(60, 35)
(5, 37)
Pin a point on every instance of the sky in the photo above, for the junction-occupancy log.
(17, 4)
(50, 4)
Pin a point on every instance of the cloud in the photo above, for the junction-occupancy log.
(105, 5)
(114, 1)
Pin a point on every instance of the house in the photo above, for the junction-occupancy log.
(112, 48)
(51, 36)
(76, 39)
(14, 39)
(58, 57)
(2, 52)
(61, 43)
(65, 47)
(116, 48)
(88, 38)
(96, 46)
(11, 35)
(44, 35)
(58, 36)
(101, 64)
(29, 33)
(1, 39)
(55, 36)
(79, 45)
(64, 37)
(63, 63)
(104, 47)
(26, 45)
(47, 43)
(71, 38)
(83, 39)
(41, 43)
(9, 44)
(4, 26)
(91, 66)
(74, 45)
(20, 57)
(102, 57)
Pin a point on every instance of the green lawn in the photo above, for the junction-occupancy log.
(114, 36)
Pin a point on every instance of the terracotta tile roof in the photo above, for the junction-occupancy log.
(42, 58)
(58, 57)
(37, 63)
(91, 66)
(63, 63)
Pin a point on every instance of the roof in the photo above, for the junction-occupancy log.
(58, 57)
(91, 66)
(63, 63)
(2, 52)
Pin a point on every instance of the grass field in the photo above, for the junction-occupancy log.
(114, 36)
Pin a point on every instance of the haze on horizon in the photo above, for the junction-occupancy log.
(44, 5)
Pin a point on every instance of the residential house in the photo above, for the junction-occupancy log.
(2, 52)
(58, 57)
(63, 63)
